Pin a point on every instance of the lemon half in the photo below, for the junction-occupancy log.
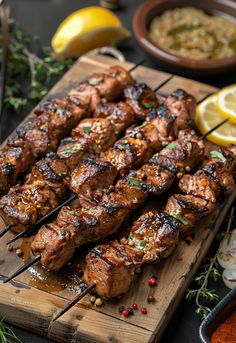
(208, 116)
(87, 29)
(227, 102)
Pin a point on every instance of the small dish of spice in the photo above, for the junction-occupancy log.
(220, 324)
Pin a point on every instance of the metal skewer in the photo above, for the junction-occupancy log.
(23, 268)
(41, 221)
(74, 301)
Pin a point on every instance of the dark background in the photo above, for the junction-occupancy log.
(41, 18)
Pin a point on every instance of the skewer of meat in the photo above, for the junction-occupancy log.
(95, 219)
(54, 120)
(111, 267)
(138, 145)
(154, 235)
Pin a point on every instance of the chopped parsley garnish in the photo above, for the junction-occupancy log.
(149, 105)
(134, 182)
(94, 82)
(171, 146)
(142, 243)
(178, 216)
(72, 213)
(71, 149)
(87, 130)
(217, 154)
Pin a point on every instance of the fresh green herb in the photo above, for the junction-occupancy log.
(210, 270)
(86, 130)
(29, 75)
(69, 150)
(178, 216)
(94, 82)
(72, 213)
(149, 105)
(142, 243)
(134, 182)
(217, 154)
(6, 334)
(171, 146)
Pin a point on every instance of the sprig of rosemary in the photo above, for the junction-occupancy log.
(31, 70)
(203, 295)
(6, 334)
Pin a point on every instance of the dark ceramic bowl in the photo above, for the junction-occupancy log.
(152, 8)
(219, 314)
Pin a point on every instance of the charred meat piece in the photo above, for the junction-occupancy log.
(148, 133)
(112, 267)
(99, 134)
(180, 155)
(155, 178)
(155, 234)
(188, 209)
(183, 104)
(91, 174)
(111, 83)
(86, 96)
(53, 243)
(11, 165)
(39, 133)
(127, 153)
(197, 185)
(141, 98)
(121, 115)
(63, 113)
(52, 171)
(219, 171)
(72, 151)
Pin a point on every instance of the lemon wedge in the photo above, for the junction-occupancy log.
(208, 116)
(227, 102)
(86, 29)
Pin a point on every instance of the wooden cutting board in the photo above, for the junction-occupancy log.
(33, 298)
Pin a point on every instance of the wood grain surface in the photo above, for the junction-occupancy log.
(33, 298)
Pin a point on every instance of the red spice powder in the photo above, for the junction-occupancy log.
(226, 332)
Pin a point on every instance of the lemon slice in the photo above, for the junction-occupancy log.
(227, 102)
(209, 116)
(86, 29)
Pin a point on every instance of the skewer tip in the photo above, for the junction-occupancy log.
(73, 302)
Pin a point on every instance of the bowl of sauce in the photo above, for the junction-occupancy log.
(189, 36)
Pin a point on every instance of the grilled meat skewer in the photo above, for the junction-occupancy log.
(87, 175)
(94, 220)
(46, 185)
(112, 266)
(54, 120)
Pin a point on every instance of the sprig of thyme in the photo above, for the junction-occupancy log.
(210, 270)
(6, 334)
(31, 70)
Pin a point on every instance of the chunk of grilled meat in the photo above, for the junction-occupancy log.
(63, 114)
(112, 266)
(108, 85)
(120, 114)
(188, 209)
(90, 174)
(42, 191)
(141, 98)
(182, 103)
